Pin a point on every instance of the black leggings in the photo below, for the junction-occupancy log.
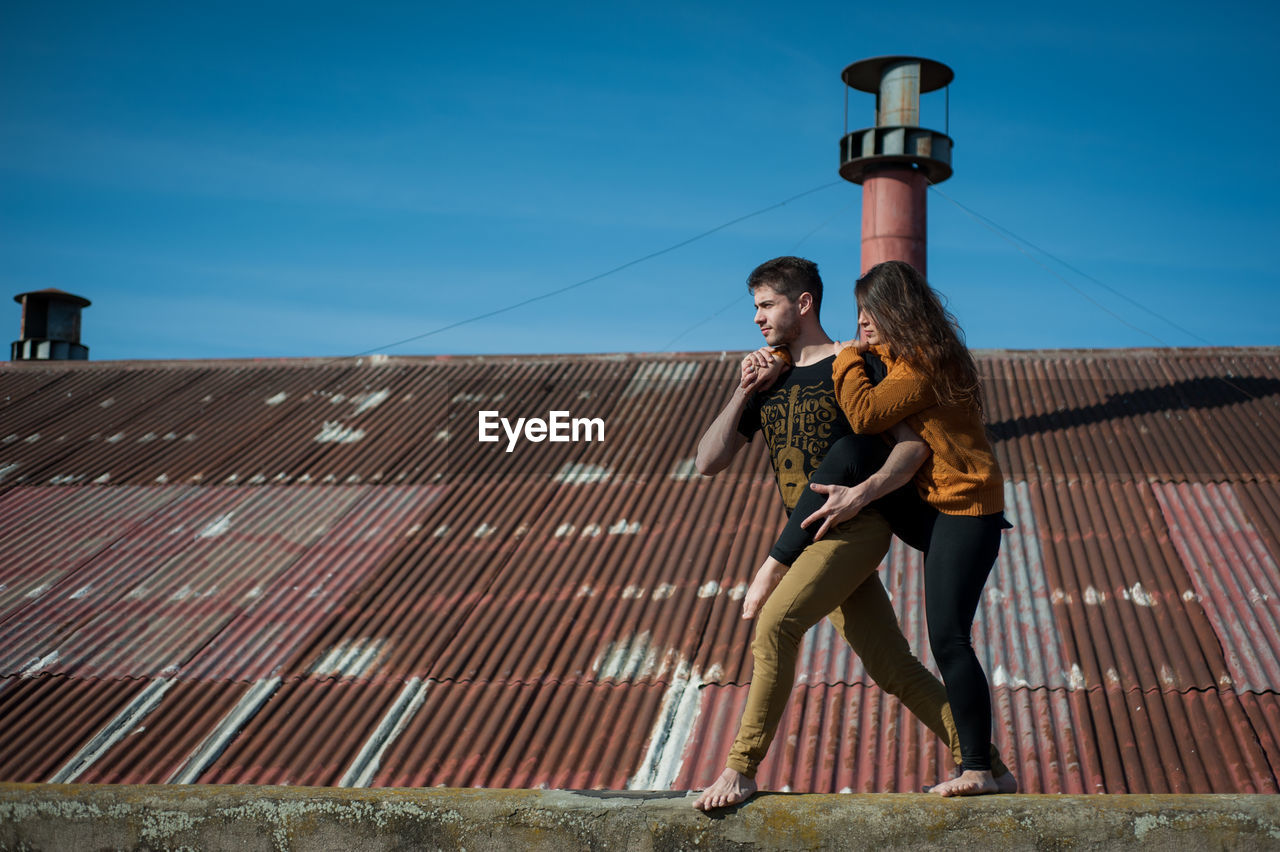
(959, 553)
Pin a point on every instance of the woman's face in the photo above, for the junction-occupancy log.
(867, 330)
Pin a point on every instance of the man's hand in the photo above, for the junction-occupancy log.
(843, 503)
(767, 577)
(760, 369)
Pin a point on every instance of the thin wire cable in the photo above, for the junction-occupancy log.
(1081, 273)
(1000, 232)
(1015, 239)
(738, 298)
(585, 281)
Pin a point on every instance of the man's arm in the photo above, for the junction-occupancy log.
(722, 439)
(845, 501)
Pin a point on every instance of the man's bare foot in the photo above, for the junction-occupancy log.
(972, 782)
(731, 788)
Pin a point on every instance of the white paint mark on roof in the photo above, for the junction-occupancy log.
(564, 530)
(105, 478)
(333, 432)
(685, 469)
(116, 438)
(441, 531)
(661, 372)
(1001, 677)
(669, 738)
(1093, 597)
(34, 667)
(709, 589)
(624, 528)
(1075, 680)
(278, 398)
(585, 591)
(635, 656)
(591, 531)
(1189, 595)
(148, 438)
(81, 592)
(7, 469)
(580, 473)
(1139, 595)
(1058, 596)
(107, 403)
(484, 531)
(738, 592)
(217, 527)
(632, 592)
(663, 592)
(351, 658)
(39, 590)
(367, 401)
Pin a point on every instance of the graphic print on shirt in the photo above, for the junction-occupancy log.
(800, 426)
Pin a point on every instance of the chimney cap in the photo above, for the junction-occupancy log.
(864, 75)
(55, 293)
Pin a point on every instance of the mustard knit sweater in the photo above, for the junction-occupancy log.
(961, 476)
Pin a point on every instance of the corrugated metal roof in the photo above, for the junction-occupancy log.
(314, 573)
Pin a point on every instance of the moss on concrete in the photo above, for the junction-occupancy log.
(59, 817)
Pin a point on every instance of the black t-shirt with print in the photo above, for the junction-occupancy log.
(800, 421)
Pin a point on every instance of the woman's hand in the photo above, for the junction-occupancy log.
(843, 503)
(760, 369)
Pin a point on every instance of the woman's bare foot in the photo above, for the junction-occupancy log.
(731, 788)
(974, 782)
(1007, 783)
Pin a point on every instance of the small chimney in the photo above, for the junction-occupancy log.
(897, 159)
(50, 327)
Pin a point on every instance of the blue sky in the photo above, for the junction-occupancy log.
(280, 179)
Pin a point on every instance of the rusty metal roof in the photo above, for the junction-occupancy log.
(313, 572)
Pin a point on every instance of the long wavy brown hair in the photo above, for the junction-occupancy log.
(911, 319)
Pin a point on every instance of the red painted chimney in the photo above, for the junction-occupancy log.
(896, 160)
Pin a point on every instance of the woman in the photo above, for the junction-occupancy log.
(931, 384)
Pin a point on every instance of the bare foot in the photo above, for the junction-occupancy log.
(731, 788)
(971, 782)
(1007, 783)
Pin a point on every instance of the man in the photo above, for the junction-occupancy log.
(836, 575)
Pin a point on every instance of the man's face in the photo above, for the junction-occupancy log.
(777, 316)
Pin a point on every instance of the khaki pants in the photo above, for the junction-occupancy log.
(839, 571)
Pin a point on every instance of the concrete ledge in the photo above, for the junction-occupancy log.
(71, 817)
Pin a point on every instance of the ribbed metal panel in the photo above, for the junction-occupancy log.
(556, 735)
(165, 739)
(233, 565)
(45, 721)
(1234, 577)
(328, 542)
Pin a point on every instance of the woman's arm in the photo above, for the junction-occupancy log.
(873, 409)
